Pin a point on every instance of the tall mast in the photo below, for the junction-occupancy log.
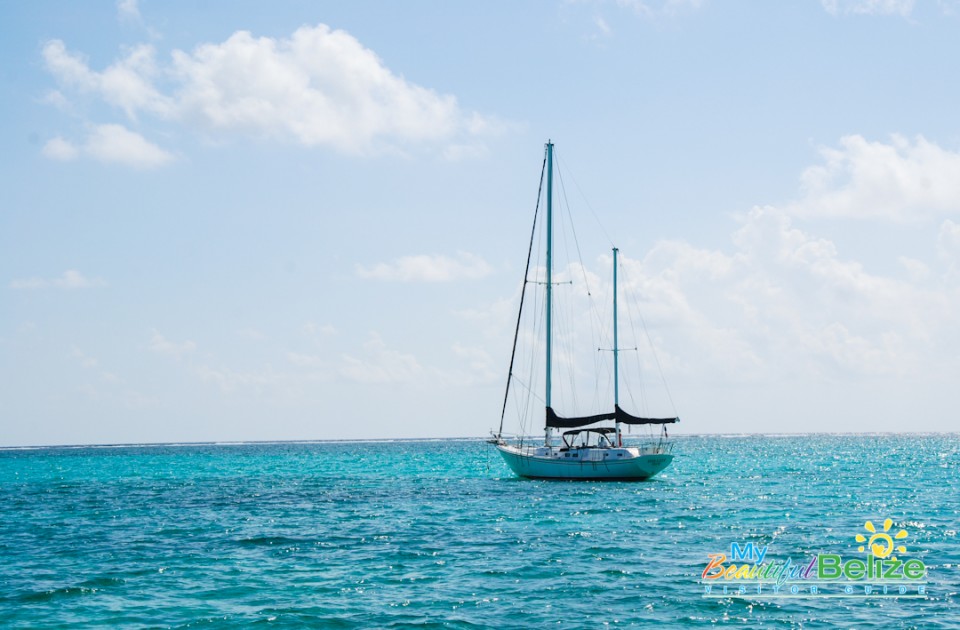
(616, 348)
(549, 385)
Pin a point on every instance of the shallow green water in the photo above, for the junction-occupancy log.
(440, 533)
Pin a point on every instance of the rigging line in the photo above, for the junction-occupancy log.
(523, 291)
(641, 382)
(576, 242)
(593, 305)
(538, 319)
(532, 393)
(525, 410)
(587, 201)
(597, 327)
(653, 349)
(633, 401)
(567, 325)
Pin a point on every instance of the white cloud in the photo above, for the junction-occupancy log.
(319, 87)
(381, 365)
(948, 243)
(56, 99)
(425, 268)
(780, 304)
(476, 364)
(112, 144)
(128, 10)
(786, 299)
(162, 345)
(602, 27)
(901, 181)
(127, 84)
(60, 149)
(71, 279)
(115, 143)
(264, 383)
(916, 270)
(229, 380)
(869, 7)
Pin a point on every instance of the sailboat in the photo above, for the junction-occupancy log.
(589, 448)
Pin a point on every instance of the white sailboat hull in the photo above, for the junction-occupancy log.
(588, 463)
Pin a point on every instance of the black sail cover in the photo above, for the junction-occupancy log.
(558, 422)
(626, 418)
(553, 420)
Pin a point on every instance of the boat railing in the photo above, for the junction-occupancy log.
(650, 447)
(515, 439)
(653, 447)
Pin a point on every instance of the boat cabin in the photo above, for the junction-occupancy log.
(601, 437)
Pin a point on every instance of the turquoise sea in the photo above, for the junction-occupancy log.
(440, 534)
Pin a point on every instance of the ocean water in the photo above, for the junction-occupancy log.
(440, 534)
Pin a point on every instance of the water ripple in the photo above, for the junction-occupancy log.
(440, 534)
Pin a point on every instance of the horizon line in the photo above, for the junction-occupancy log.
(438, 439)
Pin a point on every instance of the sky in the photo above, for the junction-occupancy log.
(301, 220)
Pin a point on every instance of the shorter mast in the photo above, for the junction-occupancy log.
(616, 351)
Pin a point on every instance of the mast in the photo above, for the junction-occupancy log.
(548, 431)
(616, 350)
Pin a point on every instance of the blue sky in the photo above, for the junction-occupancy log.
(298, 220)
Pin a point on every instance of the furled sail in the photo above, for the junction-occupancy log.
(559, 422)
(622, 416)
(553, 420)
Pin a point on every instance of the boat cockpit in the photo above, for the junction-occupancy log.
(600, 437)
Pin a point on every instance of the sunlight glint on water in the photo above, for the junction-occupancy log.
(384, 534)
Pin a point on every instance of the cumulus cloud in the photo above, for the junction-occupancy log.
(71, 279)
(787, 299)
(900, 181)
(948, 243)
(318, 87)
(424, 268)
(779, 304)
(60, 149)
(917, 270)
(110, 144)
(56, 99)
(128, 84)
(116, 143)
(128, 10)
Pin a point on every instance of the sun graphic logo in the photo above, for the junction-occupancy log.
(881, 544)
